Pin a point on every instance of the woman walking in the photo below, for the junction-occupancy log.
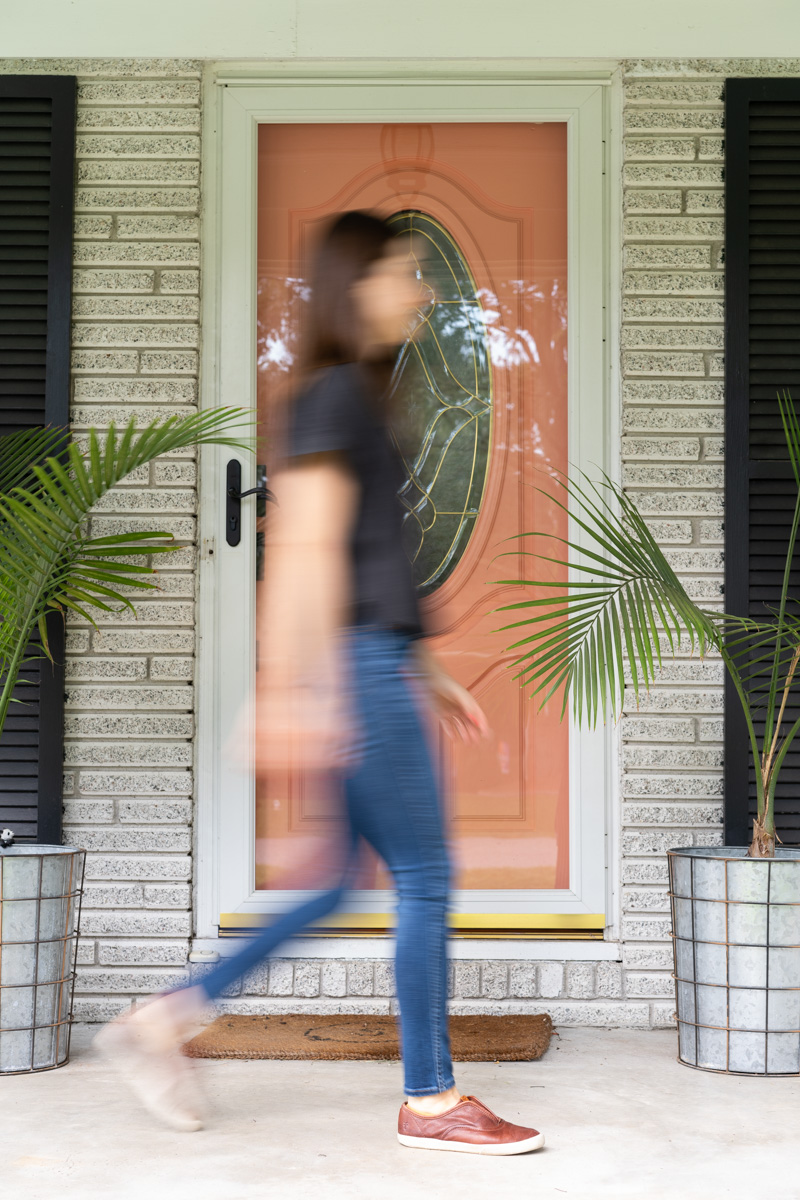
(340, 641)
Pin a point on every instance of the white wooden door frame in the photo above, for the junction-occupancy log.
(238, 98)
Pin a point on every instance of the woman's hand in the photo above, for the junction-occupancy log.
(457, 708)
(300, 728)
(291, 728)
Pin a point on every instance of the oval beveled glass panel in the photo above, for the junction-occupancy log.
(442, 393)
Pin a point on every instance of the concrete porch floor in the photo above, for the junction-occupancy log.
(622, 1119)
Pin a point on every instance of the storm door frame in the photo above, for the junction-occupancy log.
(238, 98)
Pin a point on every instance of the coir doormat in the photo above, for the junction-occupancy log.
(355, 1037)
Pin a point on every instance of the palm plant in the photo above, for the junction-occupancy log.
(588, 634)
(48, 562)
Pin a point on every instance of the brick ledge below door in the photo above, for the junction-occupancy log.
(507, 949)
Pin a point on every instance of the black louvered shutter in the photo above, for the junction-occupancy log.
(37, 155)
(762, 356)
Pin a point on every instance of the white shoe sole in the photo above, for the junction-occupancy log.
(424, 1143)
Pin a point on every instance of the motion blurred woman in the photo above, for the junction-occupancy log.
(340, 639)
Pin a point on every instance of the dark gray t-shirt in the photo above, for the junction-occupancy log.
(336, 411)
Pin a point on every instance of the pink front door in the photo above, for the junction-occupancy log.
(487, 380)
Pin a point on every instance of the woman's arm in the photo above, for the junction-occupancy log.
(457, 708)
(305, 605)
(307, 567)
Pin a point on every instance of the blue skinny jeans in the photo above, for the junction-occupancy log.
(392, 802)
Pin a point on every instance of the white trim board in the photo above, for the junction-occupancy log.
(496, 949)
(338, 93)
(188, 29)
(531, 72)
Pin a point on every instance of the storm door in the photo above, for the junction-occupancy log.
(503, 383)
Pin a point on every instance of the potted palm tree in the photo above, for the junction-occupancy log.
(602, 626)
(49, 563)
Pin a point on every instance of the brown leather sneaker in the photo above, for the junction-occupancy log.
(470, 1127)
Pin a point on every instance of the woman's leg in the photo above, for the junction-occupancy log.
(262, 946)
(145, 1043)
(394, 803)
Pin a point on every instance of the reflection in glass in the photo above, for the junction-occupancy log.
(442, 385)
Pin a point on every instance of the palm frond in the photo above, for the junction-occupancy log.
(47, 558)
(602, 623)
(791, 430)
(19, 451)
(602, 620)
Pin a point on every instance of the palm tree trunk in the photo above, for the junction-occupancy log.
(763, 843)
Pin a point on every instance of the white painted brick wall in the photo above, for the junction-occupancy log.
(130, 700)
(136, 332)
(672, 420)
(672, 313)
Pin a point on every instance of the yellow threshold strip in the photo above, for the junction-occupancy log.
(487, 925)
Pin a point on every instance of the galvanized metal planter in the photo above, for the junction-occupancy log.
(736, 936)
(40, 892)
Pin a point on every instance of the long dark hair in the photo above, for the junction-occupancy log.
(344, 253)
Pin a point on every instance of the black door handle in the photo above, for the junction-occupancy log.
(234, 496)
(263, 493)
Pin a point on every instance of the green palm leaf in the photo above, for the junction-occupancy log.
(600, 625)
(19, 451)
(48, 561)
